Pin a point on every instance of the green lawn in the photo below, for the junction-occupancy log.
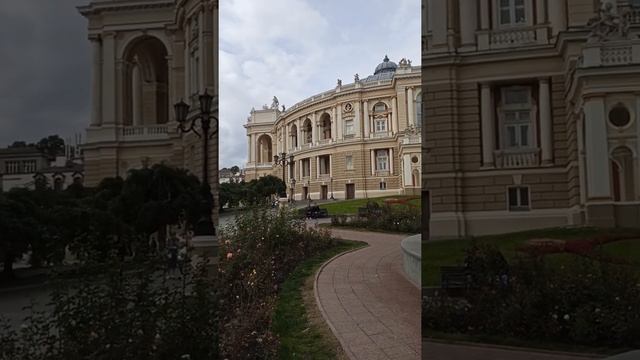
(350, 207)
(452, 252)
(299, 338)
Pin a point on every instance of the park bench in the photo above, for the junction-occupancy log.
(314, 212)
(454, 277)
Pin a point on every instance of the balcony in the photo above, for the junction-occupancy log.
(512, 37)
(612, 53)
(152, 132)
(383, 173)
(325, 141)
(517, 158)
(380, 135)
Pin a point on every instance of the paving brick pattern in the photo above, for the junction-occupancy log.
(440, 351)
(368, 302)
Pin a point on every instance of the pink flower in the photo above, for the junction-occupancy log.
(229, 256)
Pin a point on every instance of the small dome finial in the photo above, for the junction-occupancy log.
(386, 58)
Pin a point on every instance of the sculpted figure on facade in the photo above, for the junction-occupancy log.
(356, 77)
(275, 103)
(339, 83)
(608, 25)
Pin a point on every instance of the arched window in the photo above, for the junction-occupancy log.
(264, 149)
(145, 97)
(622, 174)
(325, 125)
(294, 136)
(380, 117)
(307, 132)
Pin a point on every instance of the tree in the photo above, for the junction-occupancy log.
(52, 146)
(19, 144)
(260, 190)
(235, 169)
(18, 229)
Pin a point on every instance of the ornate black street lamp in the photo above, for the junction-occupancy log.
(186, 124)
(332, 198)
(284, 162)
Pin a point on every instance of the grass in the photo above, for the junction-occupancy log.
(452, 252)
(350, 207)
(299, 337)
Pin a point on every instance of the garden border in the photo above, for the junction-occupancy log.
(345, 347)
(513, 348)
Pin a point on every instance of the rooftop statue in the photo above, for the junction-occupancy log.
(608, 24)
(339, 83)
(275, 103)
(356, 77)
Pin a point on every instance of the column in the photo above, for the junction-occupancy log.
(488, 131)
(541, 11)
(394, 115)
(373, 162)
(249, 148)
(334, 123)
(468, 22)
(410, 107)
(109, 79)
(330, 165)
(581, 159)
(484, 15)
(298, 132)
(390, 161)
(314, 129)
(317, 167)
(201, 50)
(252, 148)
(439, 22)
(558, 16)
(136, 95)
(596, 149)
(96, 82)
(339, 124)
(546, 123)
(357, 128)
(187, 63)
(637, 174)
(366, 120)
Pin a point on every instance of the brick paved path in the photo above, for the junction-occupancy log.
(367, 301)
(440, 351)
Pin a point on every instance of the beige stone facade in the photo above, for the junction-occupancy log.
(354, 141)
(531, 114)
(147, 56)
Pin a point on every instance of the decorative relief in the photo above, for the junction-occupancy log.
(348, 108)
(608, 24)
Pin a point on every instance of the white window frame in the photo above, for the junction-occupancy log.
(348, 162)
(380, 125)
(306, 167)
(349, 127)
(528, 14)
(324, 165)
(519, 206)
(383, 185)
(504, 108)
(382, 158)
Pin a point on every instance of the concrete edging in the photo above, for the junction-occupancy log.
(345, 347)
(412, 259)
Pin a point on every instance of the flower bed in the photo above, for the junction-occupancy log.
(259, 252)
(402, 219)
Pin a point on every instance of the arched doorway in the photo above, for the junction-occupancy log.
(307, 132)
(325, 125)
(145, 98)
(294, 136)
(623, 174)
(264, 154)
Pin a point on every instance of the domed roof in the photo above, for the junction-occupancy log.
(385, 66)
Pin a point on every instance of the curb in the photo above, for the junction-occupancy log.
(23, 287)
(345, 347)
(514, 348)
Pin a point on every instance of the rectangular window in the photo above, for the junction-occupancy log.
(381, 125)
(348, 160)
(325, 164)
(512, 12)
(515, 113)
(29, 166)
(383, 185)
(12, 167)
(382, 160)
(518, 197)
(348, 127)
(306, 167)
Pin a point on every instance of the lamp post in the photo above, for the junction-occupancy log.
(309, 192)
(204, 232)
(284, 162)
(332, 198)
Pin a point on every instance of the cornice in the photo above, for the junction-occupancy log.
(96, 8)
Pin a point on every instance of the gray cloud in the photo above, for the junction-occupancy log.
(44, 70)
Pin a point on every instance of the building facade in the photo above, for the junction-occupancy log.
(147, 56)
(532, 112)
(24, 167)
(354, 141)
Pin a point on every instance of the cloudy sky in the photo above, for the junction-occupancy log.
(44, 70)
(288, 48)
(297, 48)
